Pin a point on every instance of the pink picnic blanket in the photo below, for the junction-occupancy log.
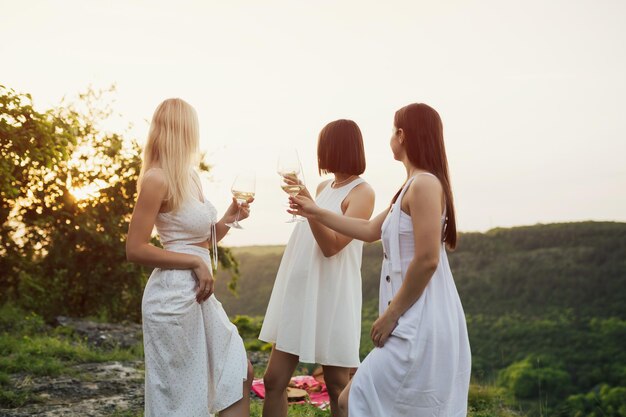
(317, 396)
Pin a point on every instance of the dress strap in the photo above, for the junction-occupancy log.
(214, 258)
(396, 210)
(342, 192)
(349, 187)
(214, 241)
(196, 181)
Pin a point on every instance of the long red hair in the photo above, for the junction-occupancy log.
(423, 132)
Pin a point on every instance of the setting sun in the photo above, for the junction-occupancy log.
(87, 191)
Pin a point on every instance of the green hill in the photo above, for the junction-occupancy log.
(545, 306)
(529, 270)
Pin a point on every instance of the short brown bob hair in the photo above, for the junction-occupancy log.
(340, 148)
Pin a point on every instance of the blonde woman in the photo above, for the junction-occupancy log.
(194, 358)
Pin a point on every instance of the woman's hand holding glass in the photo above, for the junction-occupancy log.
(243, 194)
(303, 205)
(235, 207)
(293, 186)
(292, 179)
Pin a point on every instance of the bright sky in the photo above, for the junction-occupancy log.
(531, 93)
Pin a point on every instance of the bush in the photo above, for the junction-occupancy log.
(604, 401)
(536, 377)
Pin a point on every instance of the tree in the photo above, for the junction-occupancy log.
(31, 145)
(536, 377)
(73, 215)
(604, 401)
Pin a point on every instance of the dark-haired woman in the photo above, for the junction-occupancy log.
(314, 313)
(421, 362)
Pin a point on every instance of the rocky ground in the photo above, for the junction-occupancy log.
(98, 389)
(93, 389)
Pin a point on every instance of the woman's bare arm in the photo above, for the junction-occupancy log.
(138, 247)
(360, 204)
(424, 203)
(365, 230)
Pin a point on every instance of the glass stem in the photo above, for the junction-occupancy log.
(238, 211)
(294, 217)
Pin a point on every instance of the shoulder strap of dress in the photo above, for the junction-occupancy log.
(350, 187)
(196, 180)
(327, 184)
(394, 224)
(396, 210)
(214, 257)
(342, 193)
(403, 191)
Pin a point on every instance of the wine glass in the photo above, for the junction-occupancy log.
(289, 167)
(242, 189)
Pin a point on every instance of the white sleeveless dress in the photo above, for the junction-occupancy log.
(314, 311)
(194, 357)
(423, 370)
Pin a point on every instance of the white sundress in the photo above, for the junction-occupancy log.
(423, 369)
(314, 311)
(194, 357)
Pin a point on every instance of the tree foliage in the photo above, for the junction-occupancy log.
(64, 254)
(603, 401)
(32, 143)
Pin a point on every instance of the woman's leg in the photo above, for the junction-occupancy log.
(336, 379)
(242, 407)
(343, 401)
(279, 370)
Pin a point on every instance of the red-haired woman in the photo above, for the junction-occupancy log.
(421, 362)
(314, 313)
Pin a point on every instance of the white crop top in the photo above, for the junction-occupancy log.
(193, 222)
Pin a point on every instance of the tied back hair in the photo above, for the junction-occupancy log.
(173, 144)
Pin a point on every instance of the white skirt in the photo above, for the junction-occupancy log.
(194, 357)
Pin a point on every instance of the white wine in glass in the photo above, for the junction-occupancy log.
(289, 167)
(242, 195)
(292, 189)
(242, 189)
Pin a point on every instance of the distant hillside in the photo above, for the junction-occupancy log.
(258, 266)
(530, 270)
(545, 308)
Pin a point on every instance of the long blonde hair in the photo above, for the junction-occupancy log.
(173, 143)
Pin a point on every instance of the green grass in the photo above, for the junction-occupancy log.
(29, 349)
(295, 410)
(489, 401)
(51, 355)
(256, 410)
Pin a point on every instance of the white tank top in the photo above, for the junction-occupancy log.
(193, 222)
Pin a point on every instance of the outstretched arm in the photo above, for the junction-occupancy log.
(359, 205)
(356, 228)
